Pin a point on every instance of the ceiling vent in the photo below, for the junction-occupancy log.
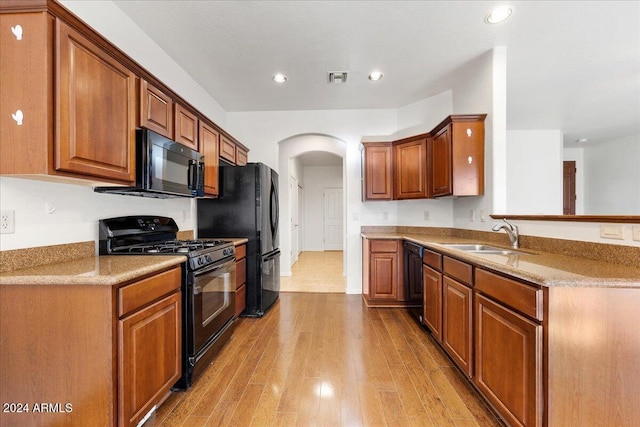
(337, 76)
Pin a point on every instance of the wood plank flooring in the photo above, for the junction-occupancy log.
(316, 271)
(321, 359)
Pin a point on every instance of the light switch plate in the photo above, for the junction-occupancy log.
(636, 233)
(611, 232)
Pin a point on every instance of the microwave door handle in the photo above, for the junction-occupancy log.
(190, 173)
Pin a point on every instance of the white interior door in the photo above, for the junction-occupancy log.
(301, 222)
(333, 219)
(294, 209)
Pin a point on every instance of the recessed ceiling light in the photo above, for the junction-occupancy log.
(279, 78)
(498, 14)
(375, 76)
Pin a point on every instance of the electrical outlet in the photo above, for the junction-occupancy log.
(426, 215)
(7, 222)
(385, 216)
(636, 233)
(483, 217)
(472, 215)
(611, 232)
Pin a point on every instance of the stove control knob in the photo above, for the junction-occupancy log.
(208, 258)
(200, 261)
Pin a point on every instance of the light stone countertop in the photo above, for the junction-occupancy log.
(106, 270)
(541, 268)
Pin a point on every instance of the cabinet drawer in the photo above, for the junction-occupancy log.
(137, 294)
(458, 269)
(432, 259)
(383, 246)
(520, 296)
(241, 251)
(241, 272)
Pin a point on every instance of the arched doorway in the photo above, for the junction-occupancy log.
(305, 214)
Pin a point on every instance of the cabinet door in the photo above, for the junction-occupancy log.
(468, 158)
(156, 109)
(150, 349)
(432, 302)
(384, 276)
(508, 367)
(377, 172)
(456, 323)
(227, 149)
(186, 127)
(209, 140)
(241, 157)
(96, 107)
(410, 170)
(440, 163)
(25, 93)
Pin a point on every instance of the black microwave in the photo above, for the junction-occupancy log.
(164, 168)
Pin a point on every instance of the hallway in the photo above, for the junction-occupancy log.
(316, 271)
(328, 360)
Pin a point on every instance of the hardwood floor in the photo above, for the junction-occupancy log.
(316, 271)
(321, 359)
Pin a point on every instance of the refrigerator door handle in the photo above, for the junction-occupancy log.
(274, 210)
(272, 255)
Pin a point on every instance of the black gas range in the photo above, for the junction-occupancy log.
(208, 288)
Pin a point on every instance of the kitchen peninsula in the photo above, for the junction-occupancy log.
(547, 339)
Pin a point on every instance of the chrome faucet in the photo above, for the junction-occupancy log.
(512, 232)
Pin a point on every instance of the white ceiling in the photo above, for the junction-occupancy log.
(572, 65)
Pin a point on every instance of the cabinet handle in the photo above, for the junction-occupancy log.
(17, 31)
(469, 132)
(470, 159)
(18, 116)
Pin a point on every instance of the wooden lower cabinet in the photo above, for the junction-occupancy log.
(241, 279)
(508, 362)
(382, 271)
(150, 345)
(93, 355)
(457, 323)
(432, 301)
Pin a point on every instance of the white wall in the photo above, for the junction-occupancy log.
(477, 90)
(49, 213)
(534, 172)
(317, 179)
(612, 177)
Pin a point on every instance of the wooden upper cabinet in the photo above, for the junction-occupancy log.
(156, 109)
(26, 119)
(95, 111)
(209, 140)
(440, 163)
(377, 171)
(186, 127)
(241, 156)
(456, 156)
(410, 169)
(227, 149)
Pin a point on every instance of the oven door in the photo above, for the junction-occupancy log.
(213, 302)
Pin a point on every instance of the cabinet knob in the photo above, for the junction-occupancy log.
(17, 31)
(469, 132)
(18, 117)
(470, 159)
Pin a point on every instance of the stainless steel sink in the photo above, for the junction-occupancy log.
(480, 248)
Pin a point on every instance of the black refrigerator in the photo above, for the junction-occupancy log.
(247, 207)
